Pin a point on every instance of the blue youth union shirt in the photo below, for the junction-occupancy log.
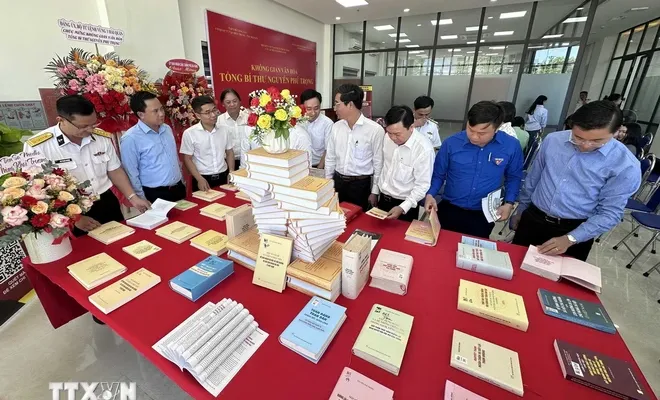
(471, 172)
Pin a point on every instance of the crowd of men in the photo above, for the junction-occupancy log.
(576, 188)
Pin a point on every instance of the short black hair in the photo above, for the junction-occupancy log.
(518, 121)
(486, 112)
(75, 104)
(138, 100)
(200, 101)
(584, 91)
(509, 110)
(423, 102)
(597, 115)
(227, 91)
(309, 94)
(401, 114)
(351, 93)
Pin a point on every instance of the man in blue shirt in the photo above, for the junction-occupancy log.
(474, 163)
(149, 154)
(578, 185)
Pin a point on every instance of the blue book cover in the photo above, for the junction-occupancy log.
(592, 315)
(485, 244)
(310, 333)
(194, 282)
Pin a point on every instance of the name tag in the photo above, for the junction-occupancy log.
(66, 163)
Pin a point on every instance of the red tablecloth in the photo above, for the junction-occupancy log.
(275, 372)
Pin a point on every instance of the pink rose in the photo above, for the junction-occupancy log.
(32, 171)
(58, 220)
(14, 216)
(39, 208)
(86, 203)
(55, 182)
(37, 192)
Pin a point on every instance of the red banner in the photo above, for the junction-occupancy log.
(247, 57)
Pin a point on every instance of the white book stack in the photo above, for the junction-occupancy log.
(213, 343)
(288, 201)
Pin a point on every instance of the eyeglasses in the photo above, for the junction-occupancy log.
(82, 128)
(209, 112)
(589, 143)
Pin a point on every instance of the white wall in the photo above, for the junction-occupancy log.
(265, 13)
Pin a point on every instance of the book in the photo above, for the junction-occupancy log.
(319, 173)
(124, 290)
(425, 231)
(351, 211)
(194, 282)
(592, 315)
(96, 270)
(242, 196)
(377, 213)
(375, 237)
(289, 202)
(356, 257)
(474, 242)
(556, 267)
(240, 259)
(308, 188)
(111, 232)
(184, 205)
(484, 261)
(283, 160)
(272, 259)
(324, 272)
(255, 197)
(492, 304)
(240, 179)
(352, 385)
(213, 343)
(384, 337)
(216, 211)
(281, 172)
(312, 290)
(391, 272)
(312, 330)
(487, 361)
(239, 220)
(246, 243)
(277, 180)
(141, 249)
(456, 392)
(208, 195)
(212, 242)
(153, 217)
(599, 372)
(229, 187)
(178, 232)
(326, 208)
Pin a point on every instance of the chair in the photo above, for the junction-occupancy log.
(649, 179)
(648, 221)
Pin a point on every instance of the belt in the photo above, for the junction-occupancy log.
(551, 219)
(390, 198)
(171, 187)
(213, 176)
(352, 178)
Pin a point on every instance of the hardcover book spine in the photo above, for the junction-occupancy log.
(483, 268)
(599, 388)
(310, 279)
(483, 377)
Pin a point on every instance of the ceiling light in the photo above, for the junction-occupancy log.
(536, 47)
(394, 35)
(421, 55)
(352, 3)
(490, 17)
(419, 24)
(447, 21)
(416, 51)
(568, 44)
(475, 42)
(470, 52)
(383, 27)
(474, 28)
(455, 50)
(503, 33)
(639, 8)
(558, 35)
(404, 40)
(406, 9)
(497, 48)
(493, 1)
(580, 8)
(361, 31)
(448, 37)
(337, 18)
(412, 45)
(515, 14)
(383, 42)
(574, 19)
(492, 54)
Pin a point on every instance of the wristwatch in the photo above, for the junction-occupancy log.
(571, 239)
(510, 202)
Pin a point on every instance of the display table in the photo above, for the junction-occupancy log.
(275, 372)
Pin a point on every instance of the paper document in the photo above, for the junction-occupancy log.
(490, 204)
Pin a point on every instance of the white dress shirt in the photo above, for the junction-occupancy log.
(90, 161)
(298, 140)
(357, 151)
(236, 129)
(407, 169)
(430, 131)
(208, 149)
(508, 129)
(319, 132)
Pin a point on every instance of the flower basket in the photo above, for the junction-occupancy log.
(40, 247)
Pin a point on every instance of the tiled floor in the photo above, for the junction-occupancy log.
(33, 353)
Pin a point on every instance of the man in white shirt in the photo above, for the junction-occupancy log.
(355, 150)
(298, 140)
(87, 153)
(582, 101)
(234, 120)
(318, 126)
(407, 166)
(423, 122)
(207, 151)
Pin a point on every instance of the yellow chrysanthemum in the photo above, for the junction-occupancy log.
(264, 121)
(264, 99)
(286, 94)
(296, 112)
(281, 115)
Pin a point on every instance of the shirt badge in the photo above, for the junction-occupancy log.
(498, 161)
(100, 153)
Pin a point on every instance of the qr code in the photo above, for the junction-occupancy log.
(10, 260)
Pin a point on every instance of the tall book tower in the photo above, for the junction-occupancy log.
(287, 201)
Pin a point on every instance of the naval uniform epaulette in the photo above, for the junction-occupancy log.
(39, 138)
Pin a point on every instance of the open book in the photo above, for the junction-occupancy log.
(213, 343)
(154, 217)
(425, 231)
(556, 267)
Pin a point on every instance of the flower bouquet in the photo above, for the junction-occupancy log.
(272, 114)
(178, 91)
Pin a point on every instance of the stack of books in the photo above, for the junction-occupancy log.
(484, 261)
(243, 249)
(287, 201)
(96, 270)
(391, 272)
(178, 232)
(321, 278)
(110, 232)
(213, 344)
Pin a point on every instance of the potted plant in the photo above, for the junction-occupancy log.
(10, 139)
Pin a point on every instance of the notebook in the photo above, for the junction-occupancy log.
(556, 267)
(154, 217)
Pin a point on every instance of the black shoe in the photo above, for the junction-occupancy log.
(98, 321)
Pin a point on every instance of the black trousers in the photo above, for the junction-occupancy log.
(353, 189)
(461, 220)
(105, 209)
(170, 193)
(386, 203)
(536, 228)
(214, 180)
